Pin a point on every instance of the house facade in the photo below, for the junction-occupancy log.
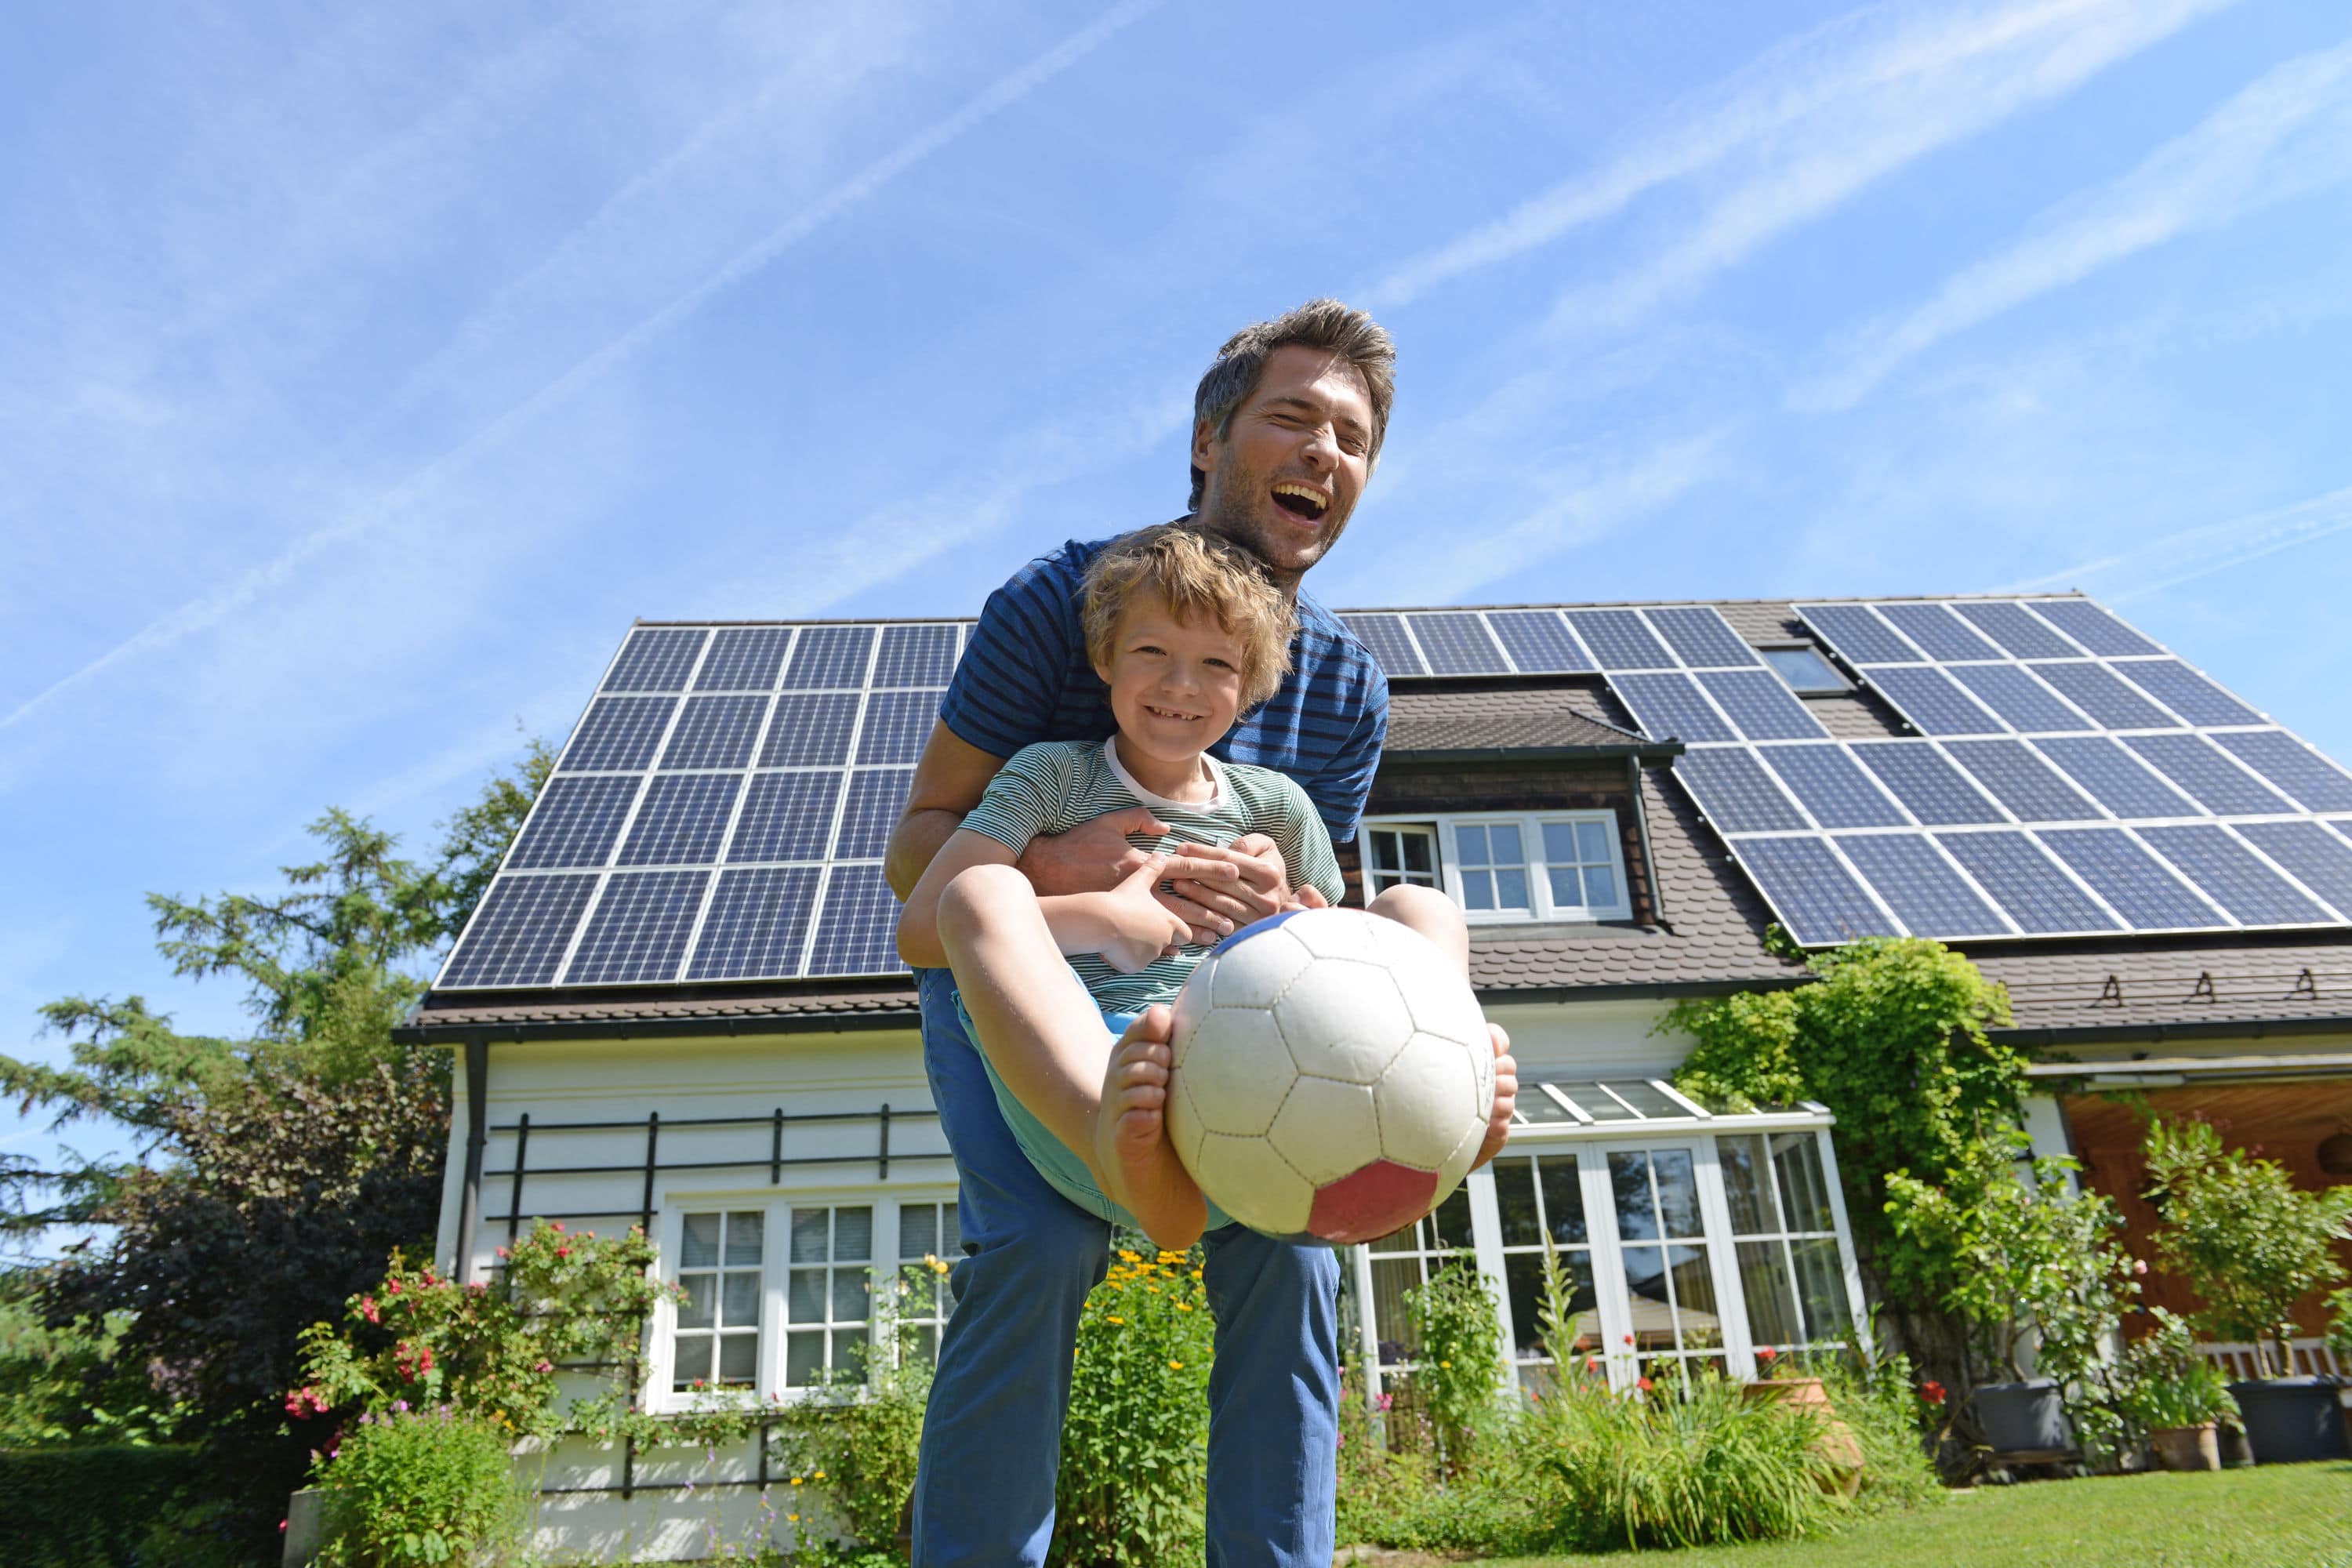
(679, 1005)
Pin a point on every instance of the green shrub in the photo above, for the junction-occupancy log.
(420, 1487)
(1135, 1444)
(1457, 1367)
(2166, 1383)
(111, 1507)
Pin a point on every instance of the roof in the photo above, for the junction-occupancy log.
(1538, 720)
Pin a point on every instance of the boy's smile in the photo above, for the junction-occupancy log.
(1175, 689)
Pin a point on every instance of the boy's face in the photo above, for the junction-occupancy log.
(1175, 685)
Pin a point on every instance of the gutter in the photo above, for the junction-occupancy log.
(2153, 1034)
(2164, 1071)
(477, 1137)
(1647, 752)
(416, 1032)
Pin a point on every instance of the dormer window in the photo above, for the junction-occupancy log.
(1539, 866)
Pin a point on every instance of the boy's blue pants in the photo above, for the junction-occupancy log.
(992, 1436)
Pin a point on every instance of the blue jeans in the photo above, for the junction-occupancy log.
(992, 1436)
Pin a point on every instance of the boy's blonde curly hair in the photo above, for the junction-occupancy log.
(1196, 575)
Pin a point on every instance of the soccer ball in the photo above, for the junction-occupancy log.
(1332, 1075)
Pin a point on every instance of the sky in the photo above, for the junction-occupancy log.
(364, 369)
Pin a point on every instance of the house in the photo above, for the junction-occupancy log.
(679, 1004)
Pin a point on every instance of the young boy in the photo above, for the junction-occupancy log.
(1187, 633)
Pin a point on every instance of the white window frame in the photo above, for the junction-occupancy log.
(1530, 825)
(1434, 878)
(775, 1267)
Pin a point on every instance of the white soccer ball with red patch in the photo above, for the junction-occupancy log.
(1333, 1076)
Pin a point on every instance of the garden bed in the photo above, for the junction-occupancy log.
(2287, 1516)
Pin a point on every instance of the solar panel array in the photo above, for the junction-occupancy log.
(719, 813)
(2070, 777)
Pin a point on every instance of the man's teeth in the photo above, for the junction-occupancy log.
(1306, 493)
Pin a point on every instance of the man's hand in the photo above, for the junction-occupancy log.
(1260, 886)
(1214, 888)
(1506, 1097)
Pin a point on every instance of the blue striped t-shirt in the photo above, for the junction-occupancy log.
(1024, 678)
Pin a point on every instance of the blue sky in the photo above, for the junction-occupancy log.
(364, 371)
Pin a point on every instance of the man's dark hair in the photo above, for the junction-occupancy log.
(1318, 324)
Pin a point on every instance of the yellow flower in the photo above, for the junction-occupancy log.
(1114, 1319)
(1442, 1363)
(793, 1518)
(820, 1475)
(939, 1266)
(796, 1480)
(1196, 1274)
(1176, 1366)
(1183, 1306)
(1127, 1256)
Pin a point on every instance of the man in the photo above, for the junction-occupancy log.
(1288, 424)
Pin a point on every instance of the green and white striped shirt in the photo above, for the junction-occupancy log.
(1053, 787)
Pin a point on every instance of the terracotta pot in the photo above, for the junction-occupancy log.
(1837, 1443)
(2188, 1448)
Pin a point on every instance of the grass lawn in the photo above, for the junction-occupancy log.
(2290, 1516)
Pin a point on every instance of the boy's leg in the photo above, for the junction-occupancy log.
(1046, 1039)
(1274, 1402)
(993, 1431)
(1433, 914)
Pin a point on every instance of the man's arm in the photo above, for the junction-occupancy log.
(949, 778)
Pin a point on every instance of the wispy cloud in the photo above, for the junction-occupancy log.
(2195, 553)
(196, 615)
(1806, 124)
(2288, 132)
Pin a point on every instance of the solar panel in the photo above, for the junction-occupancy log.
(2013, 629)
(1702, 636)
(2026, 883)
(857, 933)
(716, 732)
(1934, 705)
(1833, 786)
(745, 658)
(574, 823)
(682, 819)
(1938, 633)
(2186, 692)
(2032, 789)
(2139, 886)
(1858, 633)
(1736, 793)
(2017, 697)
(1539, 642)
(1926, 783)
(639, 929)
(2092, 626)
(2295, 767)
(1920, 886)
(1669, 706)
(2208, 777)
(517, 935)
(1457, 644)
(2317, 858)
(829, 658)
(2114, 778)
(897, 725)
(1760, 704)
(2229, 873)
(1619, 639)
(786, 816)
(1811, 892)
(2098, 691)
(1384, 638)
(915, 656)
(758, 924)
(656, 658)
(876, 797)
(810, 732)
(618, 735)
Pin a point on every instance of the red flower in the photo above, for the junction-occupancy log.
(392, 1287)
(1768, 1354)
(369, 1310)
(1629, 1339)
(1932, 1392)
(1592, 1363)
(562, 1252)
(1643, 1384)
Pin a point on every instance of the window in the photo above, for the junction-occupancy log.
(929, 1242)
(1491, 860)
(717, 1344)
(1400, 855)
(1405, 1260)
(1806, 671)
(1666, 1256)
(1540, 1196)
(826, 1295)
(1785, 1234)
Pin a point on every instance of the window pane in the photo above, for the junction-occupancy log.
(1560, 843)
(1515, 1202)
(1764, 1286)
(811, 1229)
(740, 1301)
(852, 1234)
(849, 1347)
(919, 1345)
(1452, 1220)
(1822, 1284)
(1746, 1187)
(738, 1358)
(1391, 1277)
(1646, 1286)
(1567, 888)
(1417, 856)
(1593, 843)
(694, 1312)
(1600, 887)
(848, 1296)
(1504, 836)
(744, 1230)
(1472, 843)
(803, 1358)
(1563, 1196)
(1511, 889)
(690, 1360)
(1637, 1215)
(1677, 1191)
(1478, 890)
(950, 1233)
(701, 1246)
(919, 1228)
(1523, 1277)
(1384, 851)
(1798, 1156)
(805, 1302)
(1693, 1282)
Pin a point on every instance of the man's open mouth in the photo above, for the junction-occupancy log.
(1302, 501)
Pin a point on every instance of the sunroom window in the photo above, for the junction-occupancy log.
(1786, 1240)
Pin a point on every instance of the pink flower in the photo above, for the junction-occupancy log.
(369, 1310)
(502, 1252)
(2139, 1265)
(544, 1366)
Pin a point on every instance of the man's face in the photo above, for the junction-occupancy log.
(1285, 476)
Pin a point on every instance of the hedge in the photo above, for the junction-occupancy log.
(102, 1508)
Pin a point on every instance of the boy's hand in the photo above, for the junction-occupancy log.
(1095, 856)
(1134, 929)
(1258, 887)
(1506, 1097)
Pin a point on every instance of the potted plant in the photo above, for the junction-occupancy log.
(2177, 1397)
(2252, 1245)
(2030, 1262)
(1779, 1382)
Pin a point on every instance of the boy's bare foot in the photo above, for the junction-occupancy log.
(1137, 1165)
